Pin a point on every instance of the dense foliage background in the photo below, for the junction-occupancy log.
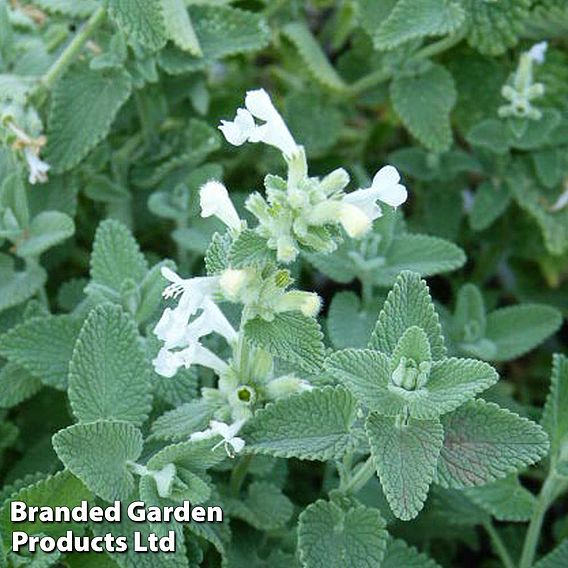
(121, 99)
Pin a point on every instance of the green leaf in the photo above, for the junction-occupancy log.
(151, 288)
(555, 417)
(314, 425)
(221, 31)
(81, 9)
(265, 507)
(291, 336)
(484, 443)
(556, 559)
(536, 202)
(16, 385)
(408, 303)
(454, 381)
(313, 56)
(192, 455)
(250, 249)
(367, 375)
(347, 324)
(410, 20)
(332, 537)
(181, 422)
(140, 20)
(314, 120)
(518, 329)
(61, 489)
(405, 456)
(109, 374)
(98, 454)
(400, 555)
(179, 27)
(491, 201)
(424, 102)
(506, 499)
(16, 286)
(422, 254)
(83, 107)
(217, 255)
(496, 26)
(46, 230)
(43, 346)
(116, 258)
(490, 134)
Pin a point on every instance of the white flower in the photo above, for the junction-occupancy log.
(214, 200)
(233, 444)
(273, 131)
(176, 330)
(38, 168)
(538, 51)
(168, 362)
(172, 326)
(385, 188)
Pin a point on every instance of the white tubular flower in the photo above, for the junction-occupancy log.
(273, 132)
(164, 479)
(538, 52)
(385, 188)
(38, 168)
(171, 328)
(214, 200)
(167, 363)
(211, 320)
(233, 444)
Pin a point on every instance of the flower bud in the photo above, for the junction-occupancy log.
(354, 221)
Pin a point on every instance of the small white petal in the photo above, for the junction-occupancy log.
(387, 175)
(232, 282)
(260, 105)
(167, 363)
(38, 168)
(237, 443)
(214, 200)
(238, 131)
(387, 188)
(538, 51)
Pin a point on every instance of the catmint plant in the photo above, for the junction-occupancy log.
(283, 283)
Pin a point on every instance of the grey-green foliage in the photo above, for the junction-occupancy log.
(502, 334)
(424, 424)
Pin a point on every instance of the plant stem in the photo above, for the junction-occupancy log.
(72, 50)
(369, 81)
(238, 475)
(382, 75)
(360, 479)
(551, 488)
(499, 545)
(366, 292)
(440, 46)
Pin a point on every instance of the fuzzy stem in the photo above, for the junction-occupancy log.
(238, 475)
(440, 46)
(499, 545)
(72, 50)
(360, 479)
(552, 487)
